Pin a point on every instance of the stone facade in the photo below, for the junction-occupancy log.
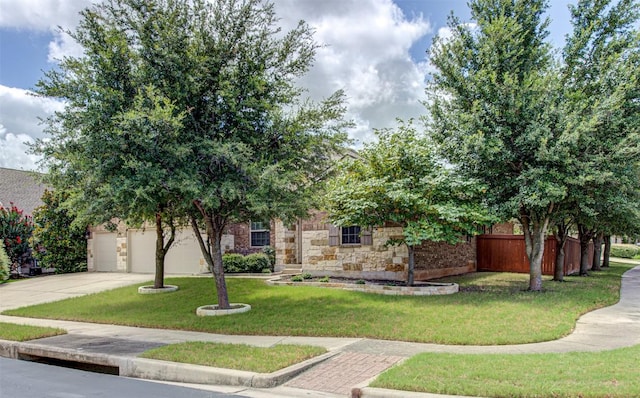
(286, 244)
(307, 244)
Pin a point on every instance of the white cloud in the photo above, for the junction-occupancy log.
(20, 114)
(40, 15)
(13, 151)
(366, 53)
(46, 16)
(63, 45)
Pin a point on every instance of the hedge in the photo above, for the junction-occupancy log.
(253, 263)
(624, 251)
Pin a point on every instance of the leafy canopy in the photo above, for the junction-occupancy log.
(58, 243)
(400, 179)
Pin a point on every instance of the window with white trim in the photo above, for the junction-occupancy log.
(260, 235)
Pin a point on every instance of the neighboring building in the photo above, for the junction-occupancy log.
(133, 249)
(22, 188)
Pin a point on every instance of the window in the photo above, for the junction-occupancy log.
(350, 235)
(353, 235)
(259, 234)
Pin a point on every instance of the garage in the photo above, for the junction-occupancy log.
(104, 252)
(184, 256)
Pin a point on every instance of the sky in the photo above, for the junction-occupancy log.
(375, 50)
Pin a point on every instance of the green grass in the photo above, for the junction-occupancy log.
(492, 308)
(14, 332)
(603, 374)
(235, 356)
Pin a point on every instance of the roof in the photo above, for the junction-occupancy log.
(22, 188)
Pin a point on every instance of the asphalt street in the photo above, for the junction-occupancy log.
(22, 379)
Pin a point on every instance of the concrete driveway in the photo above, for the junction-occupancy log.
(58, 287)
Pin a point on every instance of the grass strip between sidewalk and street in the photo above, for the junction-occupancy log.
(15, 332)
(578, 374)
(235, 356)
(491, 308)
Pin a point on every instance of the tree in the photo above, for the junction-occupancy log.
(259, 148)
(234, 139)
(115, 148)
(494, 109)
(57, 242)
(600, 78)
(15, 230)
(5, 265)
(400, 179)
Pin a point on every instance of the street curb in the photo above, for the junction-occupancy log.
(152, 369)
(370, 392)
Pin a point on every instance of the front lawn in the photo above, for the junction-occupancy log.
(492, 308)
(601, 374)
(235, 356)
(15, 332)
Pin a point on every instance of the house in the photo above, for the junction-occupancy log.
(22, 188)
(319, 248)
(133, 249)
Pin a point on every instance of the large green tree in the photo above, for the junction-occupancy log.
(114, 150)
(191, 108)
(400, 179)
(258, 147)
(601, 104)
(494, 109)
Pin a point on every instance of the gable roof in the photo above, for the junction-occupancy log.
(22, 188)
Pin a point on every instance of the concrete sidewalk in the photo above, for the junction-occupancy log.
(350, 363)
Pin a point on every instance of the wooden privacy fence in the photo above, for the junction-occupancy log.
(506, 253)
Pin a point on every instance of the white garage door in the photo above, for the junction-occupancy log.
(184, 257)
(104, 252)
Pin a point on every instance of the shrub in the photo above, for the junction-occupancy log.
(15, 231)
(297, 278)
(58, 242)
(270, 252)
(257, 262)
(360, 282)
(307, 276)
(324, 279)
(234, 263)
(4, 263)
(624, 251)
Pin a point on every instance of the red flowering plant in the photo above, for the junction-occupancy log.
(15, 231)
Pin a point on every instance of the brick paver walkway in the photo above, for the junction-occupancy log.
(339, 374)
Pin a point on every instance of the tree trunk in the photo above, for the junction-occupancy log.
(597, 251)
(562, 234)
(215, 238)
(584, 235)
(214, 227)
(162, 249)
(411, 266)
(535, 232)
(607, 251)
(158, 282)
